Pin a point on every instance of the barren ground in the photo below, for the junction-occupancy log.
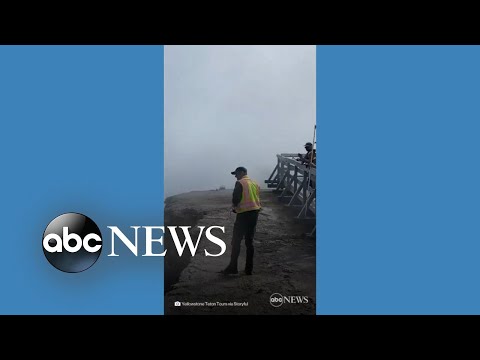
(284, 259)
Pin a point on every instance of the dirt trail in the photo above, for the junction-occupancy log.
(284, 260)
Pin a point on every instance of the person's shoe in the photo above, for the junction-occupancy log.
(229, 271)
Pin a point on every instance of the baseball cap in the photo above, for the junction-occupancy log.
(308, 144)
(238, 169)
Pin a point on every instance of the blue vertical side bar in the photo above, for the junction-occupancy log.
(81, 130)
(398, 203)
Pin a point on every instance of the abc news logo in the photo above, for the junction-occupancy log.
(277, 300)
(79, 236)
(72, 242)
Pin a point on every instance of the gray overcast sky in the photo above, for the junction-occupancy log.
(229, 106)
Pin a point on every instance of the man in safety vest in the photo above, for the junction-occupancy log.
(246, 204)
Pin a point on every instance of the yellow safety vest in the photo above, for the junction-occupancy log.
(250, 196)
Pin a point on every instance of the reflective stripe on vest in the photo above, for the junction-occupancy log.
(250, 196)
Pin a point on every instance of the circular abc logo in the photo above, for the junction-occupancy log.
(72, 242)
(276, 300)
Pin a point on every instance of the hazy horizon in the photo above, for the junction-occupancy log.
(229, 106)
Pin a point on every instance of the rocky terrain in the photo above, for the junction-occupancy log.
(284, 260)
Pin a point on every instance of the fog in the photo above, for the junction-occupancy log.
(229, 106)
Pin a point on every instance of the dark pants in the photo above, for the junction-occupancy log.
(245, 224)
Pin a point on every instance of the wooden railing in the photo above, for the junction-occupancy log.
(296, 184)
